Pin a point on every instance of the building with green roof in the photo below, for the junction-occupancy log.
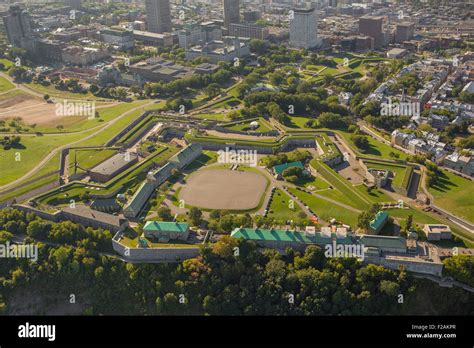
(165, 231)
(389, 244)
(186, 156)
(378, 222)
(280, 168)
(280, 239)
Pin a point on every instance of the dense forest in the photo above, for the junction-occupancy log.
(74, 275)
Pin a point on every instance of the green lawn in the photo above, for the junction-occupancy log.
(106, 114)
(398, 170)
(244, 126)
(299, 122)
(358, 198)
(376, 148)
(90, 157)
(5, 85)
(455, 194)
(212, 117)
(7, 63)
(325, 210)
(280, 207)
(317, 183)
(32, 150)
(132, 243)
(375, 195)
(53, 92)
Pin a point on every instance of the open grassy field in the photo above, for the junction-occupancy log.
(52, 91)
(17, 161)
(263, 126)
(375, 195)
(299, 122)
(455, 194)
(280, 207)
(5, 85)
(358, 198)
(325, 210)
(6, 63)
(77, 124)
(376, 148)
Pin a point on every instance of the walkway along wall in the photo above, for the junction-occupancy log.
(154, 254)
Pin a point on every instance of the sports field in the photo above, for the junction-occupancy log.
(224, 189)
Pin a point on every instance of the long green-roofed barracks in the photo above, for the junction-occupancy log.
(166, 231)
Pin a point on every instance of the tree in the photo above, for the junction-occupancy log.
(361, 141)
(394, 155)
(409, 223)
(258, 46)
(38, 229)
(46, 97)
(195, 215)
(164, 213)
(213, 89)
(17, 72)
(93, 88)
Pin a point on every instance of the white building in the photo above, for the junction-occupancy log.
(304, 29)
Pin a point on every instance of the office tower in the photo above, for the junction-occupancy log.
(75, 4)
(404, 31)
(372, 26)
(158, 16)
(231, 12)
(18, 27)
(304, 29)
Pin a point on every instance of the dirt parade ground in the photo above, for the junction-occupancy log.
(223, 189)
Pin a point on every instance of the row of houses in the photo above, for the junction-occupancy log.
(428, 146)
(437, 151)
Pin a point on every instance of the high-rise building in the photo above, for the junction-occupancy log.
(304, 29)
(158, 16)
(249, 30)
(75, 4)
(372, 26)
(404, 31)
(231, 12)
(18, 27)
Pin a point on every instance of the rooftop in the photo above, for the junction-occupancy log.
(114, 163)
(382, 241)
(90, 214)
(279, 169)
(379, 220)
(163, 226)
(286, 236)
